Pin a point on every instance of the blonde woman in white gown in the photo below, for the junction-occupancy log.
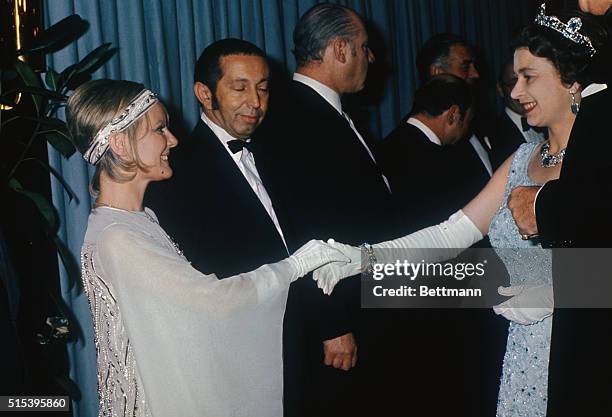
(170, 341)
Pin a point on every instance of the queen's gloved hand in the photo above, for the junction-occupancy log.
(529, 303)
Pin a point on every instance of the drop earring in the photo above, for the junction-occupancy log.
(575, 107)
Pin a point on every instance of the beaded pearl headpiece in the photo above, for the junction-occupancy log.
(570, 30)
(137, 107)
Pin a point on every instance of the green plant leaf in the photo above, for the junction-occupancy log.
(49, 121)
(6, 102)
(51, 79)
(8, 74)
(72, 267)
(92, 58)
(31, 80)
(37, 91)
(60, 141)
(61, 33)
(66, 75)
(44, 121)
(57, 175)
(44, 207)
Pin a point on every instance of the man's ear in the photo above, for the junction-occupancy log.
(435, 70)
(204, 95)
(340, 48)
(118, 143)
(453, 114)
(500, 91)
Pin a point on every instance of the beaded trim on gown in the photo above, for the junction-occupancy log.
(171, 341)
(524, 381)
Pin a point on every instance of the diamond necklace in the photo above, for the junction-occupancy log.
(147, 215)
(549, 160)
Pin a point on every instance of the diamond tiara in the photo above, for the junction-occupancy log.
(137, 107)
(570, 30)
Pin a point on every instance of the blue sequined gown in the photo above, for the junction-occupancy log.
(523, 386)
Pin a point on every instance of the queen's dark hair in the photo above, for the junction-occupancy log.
(571, 59)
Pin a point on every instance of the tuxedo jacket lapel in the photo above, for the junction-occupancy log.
(212, 211)
(231, 180)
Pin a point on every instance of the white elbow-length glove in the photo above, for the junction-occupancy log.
(529, 303)
(455, 234)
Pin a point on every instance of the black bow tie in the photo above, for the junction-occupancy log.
(524, 124)
(526, 127)
(237, 145)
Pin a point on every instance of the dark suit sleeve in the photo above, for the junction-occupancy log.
(574, 211)
(547, 210)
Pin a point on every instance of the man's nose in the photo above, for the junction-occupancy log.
(473, 74)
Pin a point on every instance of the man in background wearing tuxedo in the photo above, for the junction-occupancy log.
(447, 53)
(320, 167)
(416, 158)
(483, 333)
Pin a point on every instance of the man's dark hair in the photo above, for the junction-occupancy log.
(208, 67)
(318, 27)
(440, 93)
(435, 51)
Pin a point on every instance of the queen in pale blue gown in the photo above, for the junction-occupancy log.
(554, 73)
(524, 381)
(555, 68)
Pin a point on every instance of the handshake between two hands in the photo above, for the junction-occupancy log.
(331, 262)
(334, 261)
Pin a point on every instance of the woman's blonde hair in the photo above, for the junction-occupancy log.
(92, 106)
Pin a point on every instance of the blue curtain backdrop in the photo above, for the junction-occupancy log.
(158, 42)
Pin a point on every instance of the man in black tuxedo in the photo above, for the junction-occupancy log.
(320, 167)
(484, 333)
(216, 206)
(574, 212)
(447, 53)
(417, 159)
(424, 172)
(511, 129)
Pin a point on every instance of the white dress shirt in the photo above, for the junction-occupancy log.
(246, 164)
(482, 153)
(433, 138)
(333, 99)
